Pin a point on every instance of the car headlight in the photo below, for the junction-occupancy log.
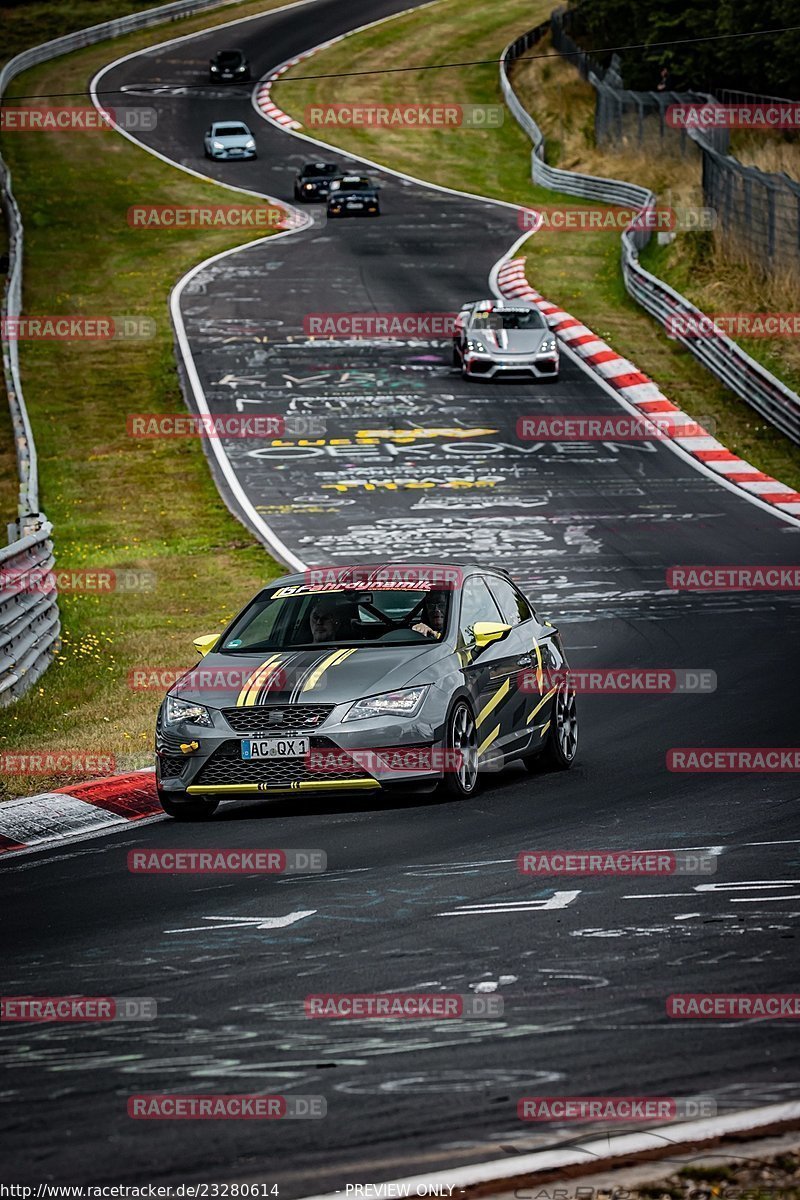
(406, 703)
(250, 145)
(217, 146)
(475, 347)
(240, 69)
(308, 186)
(185, 710)
(214, 68)
(547, 346)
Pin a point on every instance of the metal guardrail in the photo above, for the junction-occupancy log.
(735, 368)
(29, 620)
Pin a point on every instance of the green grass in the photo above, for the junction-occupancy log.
(579, 271)
(115, 501)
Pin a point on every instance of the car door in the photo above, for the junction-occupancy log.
(489, 672)
(537, 658)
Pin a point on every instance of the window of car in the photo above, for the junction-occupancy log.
(320, 169)
(230, 56)
(510, 318)
(300, 616)
(476, 605)
(231, 131)
(512, 604)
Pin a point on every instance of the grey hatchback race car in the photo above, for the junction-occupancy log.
(401, 679)
(503, 337)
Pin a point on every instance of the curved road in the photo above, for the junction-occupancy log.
(424, 895)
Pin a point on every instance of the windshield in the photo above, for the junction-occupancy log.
(298, 617)
(350, 182)
(230, 56)
(515, 318)
(231, 131)
(320, 169)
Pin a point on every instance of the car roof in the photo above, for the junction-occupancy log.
(471, 568)
(239, 124)
(497, 305)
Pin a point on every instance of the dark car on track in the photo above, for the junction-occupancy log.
(229, 66)
(313, 180)
(353, 196)
(393, 682)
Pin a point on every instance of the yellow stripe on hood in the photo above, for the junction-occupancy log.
(250, 690)
(333, 660)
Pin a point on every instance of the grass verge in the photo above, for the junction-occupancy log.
(579, 271)
(115, 502)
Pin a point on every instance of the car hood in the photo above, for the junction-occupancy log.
(232, 141)
(510, 341)
(318, 676)
(361, 195)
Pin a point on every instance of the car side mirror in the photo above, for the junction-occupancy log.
(206, 643)
(486, 632)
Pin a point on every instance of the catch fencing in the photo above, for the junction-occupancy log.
(29, 620)
(771, 398)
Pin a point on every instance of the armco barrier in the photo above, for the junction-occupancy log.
(29, 622)
(723, 357)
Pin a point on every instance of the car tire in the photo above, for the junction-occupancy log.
(187, 810)
(462, 734)
(561, 746)
(456, 356)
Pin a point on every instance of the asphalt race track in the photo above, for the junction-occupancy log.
(424, 895)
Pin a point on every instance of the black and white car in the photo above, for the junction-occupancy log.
(229, 66)
(229, 140)
(313, 180)
(504, 337)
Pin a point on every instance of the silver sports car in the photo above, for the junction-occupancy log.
(503, 337)
(229, 139)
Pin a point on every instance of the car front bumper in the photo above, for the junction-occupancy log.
(216, 767)
(486, 367)
(231, 155)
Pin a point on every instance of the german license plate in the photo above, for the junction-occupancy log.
(283, 747)
(355, 204)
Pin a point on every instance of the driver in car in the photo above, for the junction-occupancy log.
(326, 620)
(431, 620)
